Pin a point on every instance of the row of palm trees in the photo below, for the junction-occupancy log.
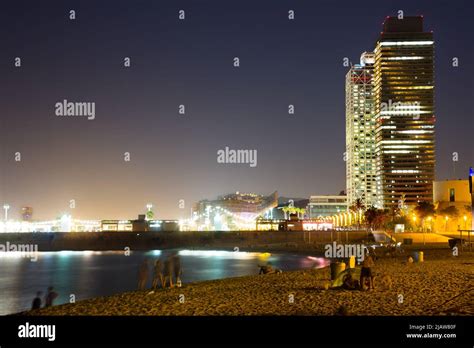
(377, 218)
(288, 210)
(374, 218)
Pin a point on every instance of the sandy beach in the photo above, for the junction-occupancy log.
(441, 285)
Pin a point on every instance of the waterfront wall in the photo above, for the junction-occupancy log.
(244, 240)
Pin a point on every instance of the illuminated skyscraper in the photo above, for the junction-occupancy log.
(404, 112)
(360, 132)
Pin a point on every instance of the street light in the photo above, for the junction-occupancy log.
(446, 223)
(6, 207)
(465, 221)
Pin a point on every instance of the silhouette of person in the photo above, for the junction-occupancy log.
(158, 275)
(143, 275)
(169, 269)
(50, 297)
(177, 268)
(36, 304)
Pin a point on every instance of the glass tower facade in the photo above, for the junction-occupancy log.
(360, 132)
(403, 85)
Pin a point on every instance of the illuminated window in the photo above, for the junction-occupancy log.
(452, 197)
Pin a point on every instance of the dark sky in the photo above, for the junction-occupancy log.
(190, 62)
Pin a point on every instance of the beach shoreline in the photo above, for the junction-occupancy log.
(441, 285)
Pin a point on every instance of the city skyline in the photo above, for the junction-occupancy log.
(173, 156)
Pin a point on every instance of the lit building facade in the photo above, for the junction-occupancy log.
(63, 224)
(322, 206)
(360, 132)
(450, 193)
(235, 211)
(404, 112)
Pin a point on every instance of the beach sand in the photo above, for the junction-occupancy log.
(441, 285)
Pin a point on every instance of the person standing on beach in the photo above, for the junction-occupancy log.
(177, 269)
(36, 304)
(158, 275)
(50, 297)
(366, 272)
(169, 268)
(143, 275)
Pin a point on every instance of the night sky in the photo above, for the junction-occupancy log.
(190, 62)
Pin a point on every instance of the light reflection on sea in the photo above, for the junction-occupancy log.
(87, 274)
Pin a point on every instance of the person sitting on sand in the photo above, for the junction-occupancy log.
(158, 274)
(264, 269)
(36, 304)
(268, 269)
(350, 283)
(366, 272)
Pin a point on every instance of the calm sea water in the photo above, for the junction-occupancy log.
(87, 274)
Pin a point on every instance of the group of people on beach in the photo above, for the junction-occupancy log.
(165, 272)
(51, 295)
(268, 269)
(366, 280)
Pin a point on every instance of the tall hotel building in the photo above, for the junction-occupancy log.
(360, 132)
(390, 122)
(403, 85)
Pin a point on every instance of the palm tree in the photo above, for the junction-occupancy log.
(374, 218)
(303, 212)
(285, 210)
(150, 215)
(357, 207)
(297, 212)
(370, 216)
(292, 210)
(450, 212)
(395, 212)
(423, 210)
(300, 212)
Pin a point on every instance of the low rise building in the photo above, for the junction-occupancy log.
(326, 205)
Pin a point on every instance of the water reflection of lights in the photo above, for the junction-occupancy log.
(264, 256)
(318, 262)
(239, 255)
(66, 252)
(81, 252)
(18, 254)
